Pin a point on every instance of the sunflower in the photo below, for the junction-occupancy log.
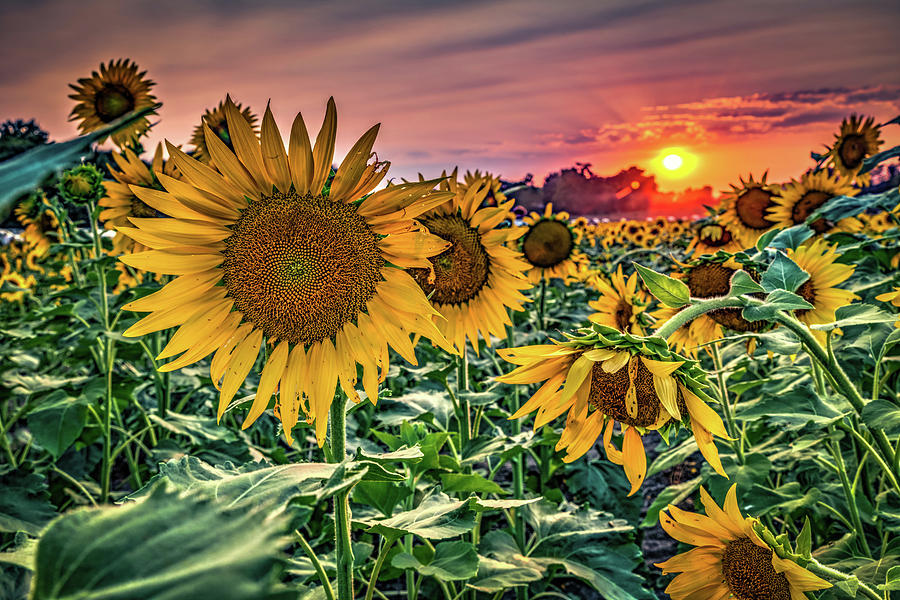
(40, 223)
(713, 237)
(550, 246)
(602, 377)
(892, 297)
(730, 559)
(494, 196)
(818, 259)
(474, 281)
(745, 208)
(21, 284)
(857, 140)
(710, 277)
(799, 199)
(215, 120)
(116, 90)
(620, 304)
(260, 253)
(121, 203)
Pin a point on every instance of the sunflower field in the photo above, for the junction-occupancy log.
(232, 369)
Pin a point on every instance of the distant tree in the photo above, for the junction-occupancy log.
(17, 136)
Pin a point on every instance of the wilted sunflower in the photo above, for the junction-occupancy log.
(621, 302)
(730, 560)
(260, 253)
(121, 203)
(857, 141)
(893, 298)
(550, 246)
(494, 196)
(116, 90)
(474, 281)
(713, 237)
(799, 199)
(215, 120)
(40, 223)
(602, 377)
(818, 259)
(745, 209)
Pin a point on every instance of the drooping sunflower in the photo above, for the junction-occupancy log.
(799, 199)
(474, 281)
(825, 273)
(602, 377)
(713, 237)
(121, 202)
(116, 90)
(494, 196)
(730, 559)
(745, 209)
(260, 253)
(550, 246)
(856, 141)
(40, 223)
(892, 297)
(215, 119)
(621, 302)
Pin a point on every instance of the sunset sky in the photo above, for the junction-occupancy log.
(511, 87)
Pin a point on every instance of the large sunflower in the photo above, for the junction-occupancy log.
(478, 277)
(602, 377)
(121, 203)
(799, 199)
(710, 238)
(818, 259)
(116, 90)
(710, 277)
(745, 209)
(215, 120)
(40, 223)
(730, 559)
(621, 302)
(857, 140)
(550, 246)
(260, 253)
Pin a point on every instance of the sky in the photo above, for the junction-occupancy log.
(512, 87)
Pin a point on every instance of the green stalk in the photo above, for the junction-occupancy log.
(379, 562)
(343, 543)
(6, 446)
(738, 443)
(695, 310)
(541, 303)
(106, 466)
(821, 570)
(850, 496)
(518, 471)
(317, 565)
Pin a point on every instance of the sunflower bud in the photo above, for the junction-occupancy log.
(81, 184)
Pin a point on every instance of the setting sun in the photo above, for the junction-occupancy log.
(672, 162)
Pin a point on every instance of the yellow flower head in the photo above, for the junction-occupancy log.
(494, 196)
(474, 281)
(857, 140)
(215, 119)
(801, 198)
(745, 209)
(710, 238)
(115, 91)
(621, 302)
(819, 259)
(601, 377)
(262, 254)
(730, 559)
(550, 246)
(40, 223)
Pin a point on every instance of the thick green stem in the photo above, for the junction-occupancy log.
(542, 303)
(317, 565)
(850, 497)
(518, 471)
(106, 466)
(379, 562)
(738, 443)
(343, 543)
(695, 310)
(821, 570)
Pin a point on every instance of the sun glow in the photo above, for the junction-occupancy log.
(674, 163)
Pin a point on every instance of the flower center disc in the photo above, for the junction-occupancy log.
(852, 150)
(807, 291)
(460, 271)
(623, 316)
(749, 573)
(751, 208)
(711, 280)
(300, 267)
(608, 395)
(707, 238)
(548, 243)
(139, 209)
(807, 205)
(113, 101)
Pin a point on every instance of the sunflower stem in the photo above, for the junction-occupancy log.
(850, 497)
(690, 313)
(317, 565)
(343, 545)
(379, 562)
(518, 471)
(541, 303)
(821, 570)
(733, 433)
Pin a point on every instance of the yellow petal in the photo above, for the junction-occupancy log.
(634, 459)
(239, 364)
(274, 157)
(300, 156)
(246, 146)
(270, 377)
(347, 176)
(323, 150)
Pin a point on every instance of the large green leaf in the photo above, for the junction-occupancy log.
(436, 517)
(451, 561)
(783, 274)
(667, 290)
(470, 482)
(881, 414)
(857, 314)
(57, 421)
(24, 502)
(168, 546)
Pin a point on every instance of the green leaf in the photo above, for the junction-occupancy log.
(673, 456)
(497, 575)
(469, 482)
(848, 586)
(671, 495)
(410, 455)
(667, 290)
(382, 495)
(857, 314)
(776, 301)
(22, 555)
(436, 517)
(483, 504)
(168, 546)
(24, 502)
(789, 498)
(452, 561)
(891, 580)
(763, 241)
(58, 421)
(783, 274)
(791, 237)
(742, 283)
(804, 540)
(882, 414)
